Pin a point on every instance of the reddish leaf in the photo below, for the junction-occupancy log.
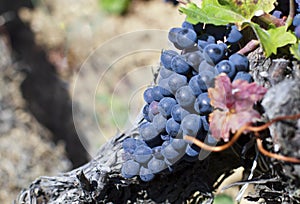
(234, 103)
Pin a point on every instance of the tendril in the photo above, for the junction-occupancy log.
(255, 129)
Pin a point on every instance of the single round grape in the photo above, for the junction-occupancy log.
(146, 174)
(202, 104)
(164, 84)
(179, 65)
(187, 25)
(156, 165)
(148, 95)
(129, 145)
(191, 124)
(213, 53)
(197, 85)
(164, 72)
(243, 76)
(178, 113)
(172, 127)
(178, 144)
(165, 106)
(227, 67)
(166, 58)
(157, 93)
(176, 81)
(208, 77)
(185, 97)
(194, 59)
(153, 108)
(142, 154)
(297, 31)
(186, 38)
(234, 35)
(148, 131)
(172, 36)
(240, 62)
(130, 168)
(296, 20)
(170, 153)
(159, 122)
(205, 66)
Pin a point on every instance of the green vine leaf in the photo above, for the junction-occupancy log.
(294, 49)
(273, 38)
(223, 12)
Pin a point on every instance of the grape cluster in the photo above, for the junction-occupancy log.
(179, 104)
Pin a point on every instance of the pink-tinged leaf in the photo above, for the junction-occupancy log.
(234, 103)
(220, 95)
(240, 119)
(246, 94)
(217, 120)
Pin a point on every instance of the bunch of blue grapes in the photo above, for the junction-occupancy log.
(179, 104)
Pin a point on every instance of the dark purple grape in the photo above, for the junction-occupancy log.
(165, 106)
(297, 31)
(148, 95)
(185, 97)
(130, 169)
(172, 127)
(227, 67)
(186, 38)
(191, 124)
(202, 104)
(146, 174)
(178, 113)
(240, 62)
(142, 154)
(176, 81)
(157, 93)
(178, 144)
(172, 36)
(296, 20)
(213, 53)
(179, 65)
(170, 153)
(166, 58)
(159, 122)
(234, 35)
(243, 76)
(129, 145)
(197, 85)
(156, 165)
(194, 59)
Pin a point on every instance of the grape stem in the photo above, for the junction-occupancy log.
(255, 129)
(270, 19)
(289, 20)
(250, 46)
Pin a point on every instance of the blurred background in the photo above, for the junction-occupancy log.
(72, 76)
